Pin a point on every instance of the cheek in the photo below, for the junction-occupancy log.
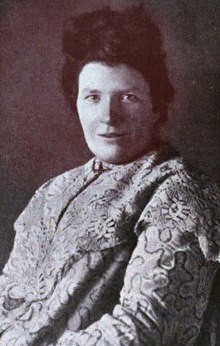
(142, 125)
(141, 117)
(84, 116)
(88, 125)
(87, 114)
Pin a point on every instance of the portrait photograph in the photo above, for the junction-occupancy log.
(109, 173)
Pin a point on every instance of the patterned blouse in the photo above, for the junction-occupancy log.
(114, 255)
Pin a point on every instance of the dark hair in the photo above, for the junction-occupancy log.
(112, 37)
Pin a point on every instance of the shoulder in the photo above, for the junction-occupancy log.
(51, 194)
(175, 175)
(168, 169)
(187, 183)
(188, 201)
(63, 180)
(185, 186)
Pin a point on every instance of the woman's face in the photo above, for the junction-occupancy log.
(114, 108)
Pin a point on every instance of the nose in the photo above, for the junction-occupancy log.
(110, 113)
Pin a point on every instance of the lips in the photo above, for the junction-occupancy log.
(112, 135)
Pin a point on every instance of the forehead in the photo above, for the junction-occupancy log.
(102, 77)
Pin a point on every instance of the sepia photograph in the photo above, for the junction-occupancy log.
(109, 173)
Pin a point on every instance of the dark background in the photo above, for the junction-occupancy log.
(40, 137)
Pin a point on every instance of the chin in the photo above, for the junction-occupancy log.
(111, 157)
(115, 158)
(118, 156)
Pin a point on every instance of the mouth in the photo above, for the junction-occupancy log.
(112, 135)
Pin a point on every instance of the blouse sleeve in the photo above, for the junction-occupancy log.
(19, 269)
(170, 274)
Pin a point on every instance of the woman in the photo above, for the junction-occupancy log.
(123, 250)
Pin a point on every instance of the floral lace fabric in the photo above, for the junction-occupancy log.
(114, 255)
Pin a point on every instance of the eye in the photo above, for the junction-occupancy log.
(93, 98)
(129, 97)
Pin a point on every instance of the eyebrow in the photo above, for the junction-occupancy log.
(95, 91)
